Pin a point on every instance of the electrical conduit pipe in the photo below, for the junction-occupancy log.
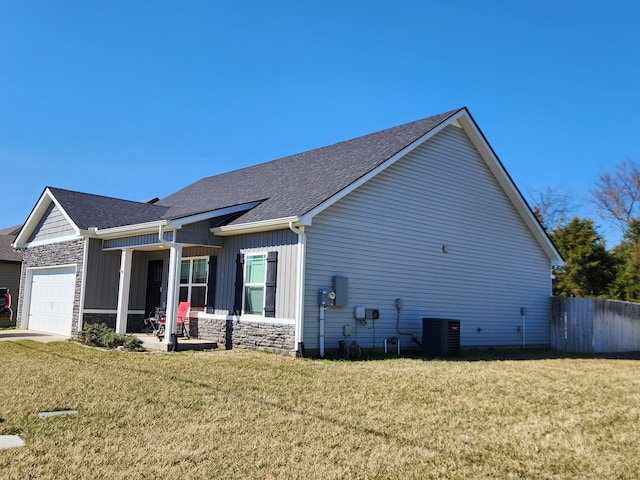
(321, 331)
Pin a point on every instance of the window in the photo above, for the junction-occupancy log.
(254, 285)
(193, 281)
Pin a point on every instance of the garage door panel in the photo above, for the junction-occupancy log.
(51, 305)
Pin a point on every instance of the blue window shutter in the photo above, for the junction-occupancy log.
(237, 301)
(211, 282)
(270, 285)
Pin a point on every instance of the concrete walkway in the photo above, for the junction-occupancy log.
(31, 335)
(150, 342)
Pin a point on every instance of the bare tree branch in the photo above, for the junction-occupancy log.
(552, 207)
(616, 195)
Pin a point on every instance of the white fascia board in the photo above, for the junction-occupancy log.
(255, 227)
(178, 223)
(127, 230)
(34, 217)
(509, 187)
(307, 218)
(47, 241)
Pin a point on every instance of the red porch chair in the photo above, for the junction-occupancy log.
(181, 318)
(5, 303)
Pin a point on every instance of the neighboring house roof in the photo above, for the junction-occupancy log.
(7, 253)
(11, 230)
(294, 185)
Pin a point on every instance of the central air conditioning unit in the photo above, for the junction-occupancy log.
(440, 337)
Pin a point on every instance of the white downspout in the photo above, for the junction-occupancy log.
(299, 320)
(83, 285)
(173, 284)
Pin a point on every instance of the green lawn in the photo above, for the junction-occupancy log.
(255, 415)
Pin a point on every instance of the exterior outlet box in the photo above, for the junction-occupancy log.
(359, 313)
(371, 313)
(341, 288)
(347, 330)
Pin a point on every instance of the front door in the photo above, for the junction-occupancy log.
(154, 286)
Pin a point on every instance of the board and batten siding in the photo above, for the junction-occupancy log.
(285, 243)
(103, 276)
(53, 224)
(387, 237)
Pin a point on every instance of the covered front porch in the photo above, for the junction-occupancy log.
(128, 278)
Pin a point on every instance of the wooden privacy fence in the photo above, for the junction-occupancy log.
(591, 325)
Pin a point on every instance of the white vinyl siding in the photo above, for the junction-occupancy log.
(285, 242)
(387, 238)
(53, 224)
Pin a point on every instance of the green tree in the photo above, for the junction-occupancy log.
(626, 256)
(588, 271)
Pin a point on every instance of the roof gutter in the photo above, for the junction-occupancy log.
(126, 230)
(255, 227)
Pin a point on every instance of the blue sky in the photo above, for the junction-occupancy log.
(136, 99)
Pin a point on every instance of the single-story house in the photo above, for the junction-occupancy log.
(10, 265)
(359, 240)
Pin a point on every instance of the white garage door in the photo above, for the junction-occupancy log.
(51, 305)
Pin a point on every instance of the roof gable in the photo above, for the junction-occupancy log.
(87, 210)
(82, 211)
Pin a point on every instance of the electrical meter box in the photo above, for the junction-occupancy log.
(326, 296)
(341, 288)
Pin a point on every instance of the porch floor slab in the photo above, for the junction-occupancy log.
(151, 342)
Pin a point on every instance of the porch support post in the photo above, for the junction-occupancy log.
(300, 286)
(123, 291)
(173, 290)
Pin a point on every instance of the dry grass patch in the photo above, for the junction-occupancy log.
(254, 415)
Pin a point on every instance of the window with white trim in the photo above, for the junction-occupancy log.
(255, 277)
(193, 281)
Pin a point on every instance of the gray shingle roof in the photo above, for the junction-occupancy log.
(11, 230)
(294, 185)
(88, 210)
(7, 253)
(288, 187)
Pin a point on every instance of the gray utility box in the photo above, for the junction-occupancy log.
(341, 288)
(440, 337)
